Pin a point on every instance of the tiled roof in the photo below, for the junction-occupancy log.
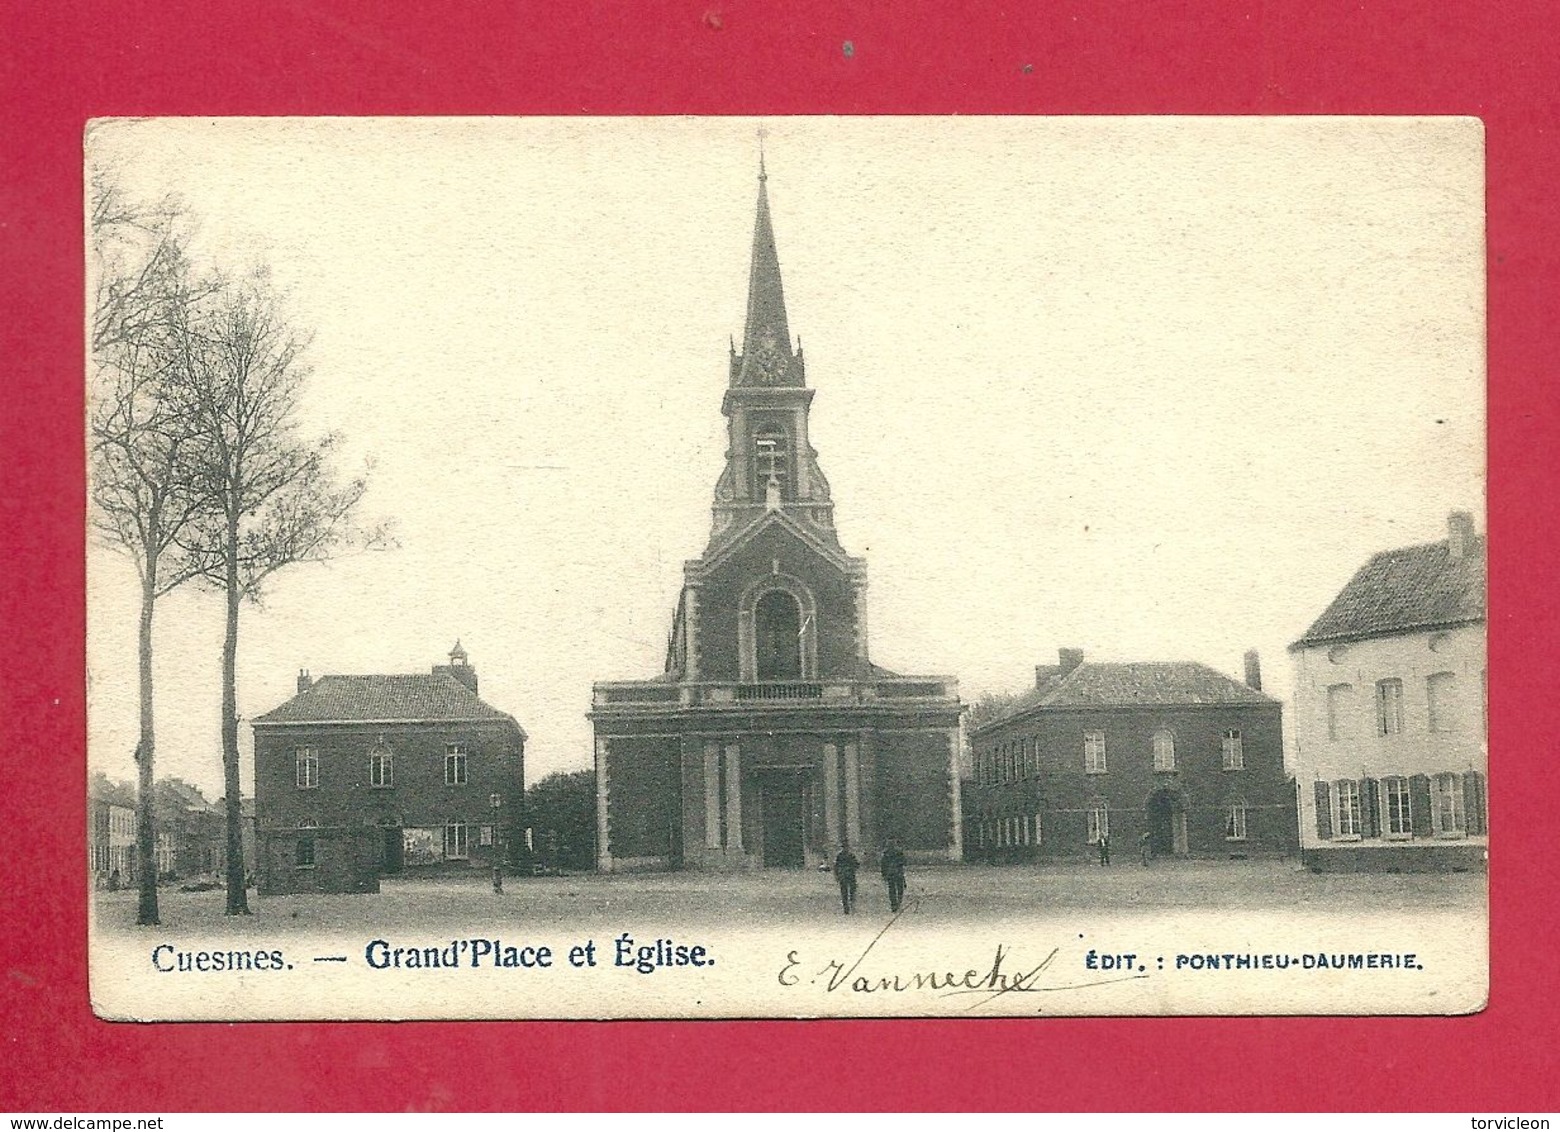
(362, 699)
(112, 793)
(1406, 590)
(1135, 684)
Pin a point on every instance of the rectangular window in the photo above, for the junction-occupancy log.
(1235, 822)
(1346, 807)
(485, 835)
(308, 768)
(1340, 712)
(1442, 689)
(1389, 707)
(1099, 822)
(457, 843)
(455, 764)
(1038, 836)
(1234, 751)
(380, 769)
(1164, 750)
(1397, 814)
(1094, 752)
(1446, 804)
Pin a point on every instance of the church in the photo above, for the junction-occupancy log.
(771, 739)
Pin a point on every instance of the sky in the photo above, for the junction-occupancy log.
(1154, 388)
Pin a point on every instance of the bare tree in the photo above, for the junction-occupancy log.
(271, 497)
(141, 441)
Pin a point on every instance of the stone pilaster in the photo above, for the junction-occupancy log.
(733, 798)
(711, 794)
(852, 794)
(603, 826)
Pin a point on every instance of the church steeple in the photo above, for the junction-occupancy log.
(767, 358)
(770, 465)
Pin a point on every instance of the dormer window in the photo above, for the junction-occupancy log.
(771, 460)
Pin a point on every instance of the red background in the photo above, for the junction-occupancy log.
(217, 57)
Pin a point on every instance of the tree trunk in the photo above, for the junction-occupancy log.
(145, 750)
(237, 884)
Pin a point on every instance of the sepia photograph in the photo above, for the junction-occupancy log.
(481, 519)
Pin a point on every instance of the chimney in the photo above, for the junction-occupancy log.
(305, 681)
(1253, 670)
(1070, 659)
(1459, 535)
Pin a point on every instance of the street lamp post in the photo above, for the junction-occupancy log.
(496, 801)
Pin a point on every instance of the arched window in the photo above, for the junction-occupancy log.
(771, 460)
(778, 624)
(381, 766)
(1164, 750)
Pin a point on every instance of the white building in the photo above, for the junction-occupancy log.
(1390, 713)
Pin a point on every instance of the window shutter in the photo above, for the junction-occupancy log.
(1370, 810)
(1473, 801)
(1419, 802)
(1324, 811)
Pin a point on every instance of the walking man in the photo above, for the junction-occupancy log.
(845, 866)
(1104, 848)
(893, 868)
(1145, 848)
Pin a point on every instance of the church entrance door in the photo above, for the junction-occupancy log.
(785, 818)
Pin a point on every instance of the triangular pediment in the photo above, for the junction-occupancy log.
(742, 537)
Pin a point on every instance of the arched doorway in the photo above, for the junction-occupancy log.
(1167, 823)
(778, 625)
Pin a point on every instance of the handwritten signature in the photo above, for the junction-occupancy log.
(984, 985)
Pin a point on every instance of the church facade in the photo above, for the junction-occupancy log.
(770, 739)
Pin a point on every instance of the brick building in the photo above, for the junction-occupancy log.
(111, 833)
(191, 831)
(771, 738)
(358, 776)
(1390, 713)
(1177, 750)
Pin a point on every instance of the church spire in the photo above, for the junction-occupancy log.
(770, 465)
(767, 357)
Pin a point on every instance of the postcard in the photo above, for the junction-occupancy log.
(479, 619)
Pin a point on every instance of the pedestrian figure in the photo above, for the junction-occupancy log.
(845, 866)
(1104, 848)
(893, 868)
(1144, 848)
